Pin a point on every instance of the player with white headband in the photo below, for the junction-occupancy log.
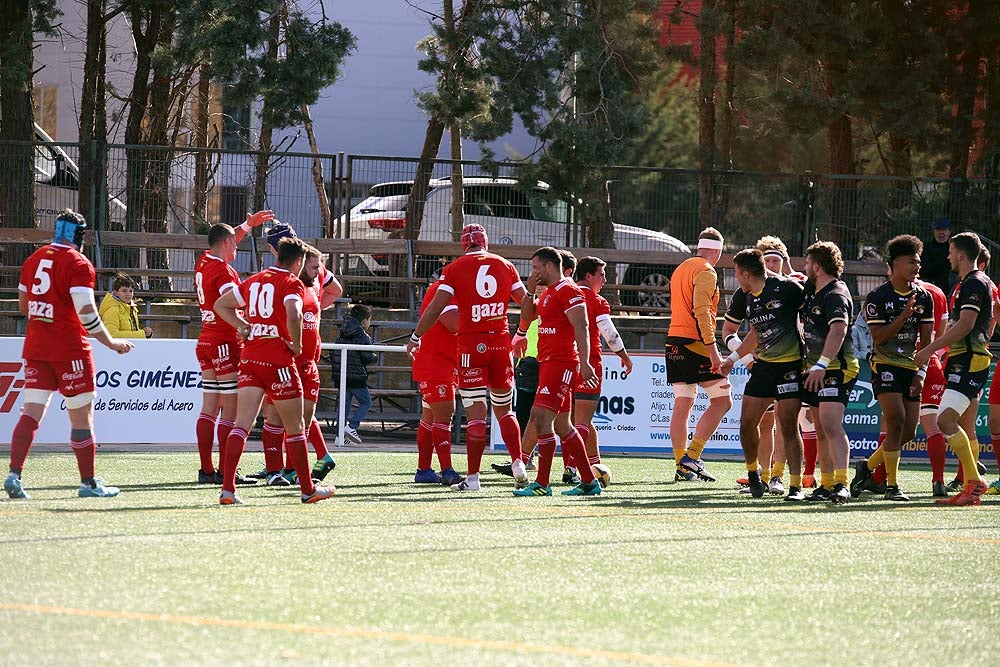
(692, 357)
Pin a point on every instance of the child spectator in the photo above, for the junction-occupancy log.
(353, 332)
(118, 312)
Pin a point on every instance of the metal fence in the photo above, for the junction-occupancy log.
(183, 189)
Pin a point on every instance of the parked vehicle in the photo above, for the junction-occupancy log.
(511, 216)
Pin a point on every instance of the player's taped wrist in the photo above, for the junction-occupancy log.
(821, 364)
(733, 342)
(245, 226)
(414, 338)
(921, 373)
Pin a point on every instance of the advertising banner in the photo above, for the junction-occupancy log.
(150, 395)
(634, 414)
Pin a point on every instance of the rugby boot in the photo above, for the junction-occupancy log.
(318, 494)
(533, 489)
(861, 475)
(970, 495)
(795, 495)
(15, 490)
(697, 466)
(581, 489)
(893, 493)
(95, 489)
(756, 486)
(821, 494)
(840, 494)
(450, 476)
(323, 467)
(939, 490)
(427, 476)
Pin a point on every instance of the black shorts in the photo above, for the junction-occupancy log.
(888, 379)
(777, 380)
(958, 377)
(834, 390)
(685, 366)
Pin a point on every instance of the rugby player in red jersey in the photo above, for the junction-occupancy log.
(56, 293)
(482, 285)
(435, 370)
(218, 347)
(562, 314)
(272, 328)
(590, 278)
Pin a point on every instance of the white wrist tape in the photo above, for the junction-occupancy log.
(733, 342)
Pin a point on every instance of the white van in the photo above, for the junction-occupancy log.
(511, 216)
(57, 184)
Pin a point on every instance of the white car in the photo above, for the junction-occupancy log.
(511, 216)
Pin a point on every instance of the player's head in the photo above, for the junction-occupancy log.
(222, 241)
(568, 262)
(474, 236)
(70, 227)
(590, 271)
(546, 263)
(291, 252)
(964, 249)
(749, 268)
(710, 244)
(984, 259)
(276, 232)
(902, 254)
(775, 253)
(310, 266)
(823, 259)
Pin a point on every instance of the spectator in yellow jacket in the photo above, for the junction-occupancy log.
(119, 314)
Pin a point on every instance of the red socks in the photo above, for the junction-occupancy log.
(317, 440)
(475, 443)
(204, 430)
(810, 452)
(295, 445)
(235, 443)
(20, 442)
(584, 431)
(510, 431)
(546, 452)
(224, 427)
(937, 449)
(85, 451)
(577, 451)
(425, 445)
(272, 438)
(441, 432)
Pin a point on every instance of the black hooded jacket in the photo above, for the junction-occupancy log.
(352, 333)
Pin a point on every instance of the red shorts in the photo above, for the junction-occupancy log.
(69, 378)
(309, 375)
(280, 382)
(934, 384)
(485, 361)
(223, 357)
(438, 390)
(556, 379)
(589, 392)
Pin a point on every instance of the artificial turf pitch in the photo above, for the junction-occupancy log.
(392, 573)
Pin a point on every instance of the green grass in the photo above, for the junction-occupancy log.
(652, 572)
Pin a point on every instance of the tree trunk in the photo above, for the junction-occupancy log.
(901, 166)
(729, 90)
(16, 124)
(708, 30)
(457, 192)
(202, 158)
(88, 101)
(266, 133)
(317, 172)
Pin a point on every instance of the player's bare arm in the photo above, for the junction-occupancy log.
(427, 320)
(577, 316)
(253, 220)
(961, 329)
(226, 308)
(831, 347)
(293, 310)
(882, 333)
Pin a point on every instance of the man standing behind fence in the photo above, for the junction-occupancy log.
(218, 347)
(692, 358)
(482, 285)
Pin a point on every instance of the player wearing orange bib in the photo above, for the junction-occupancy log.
(272, 303)
(56, 293)
(482, 285)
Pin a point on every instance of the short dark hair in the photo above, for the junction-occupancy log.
(360, 311)
(827, 255)
(120, 280)
(588, 265)
(219, 232)
(902, 246)
(968, 244)
(290, 249)
(568, 260)
(751, 260)
(550, 255)
(984, 256)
